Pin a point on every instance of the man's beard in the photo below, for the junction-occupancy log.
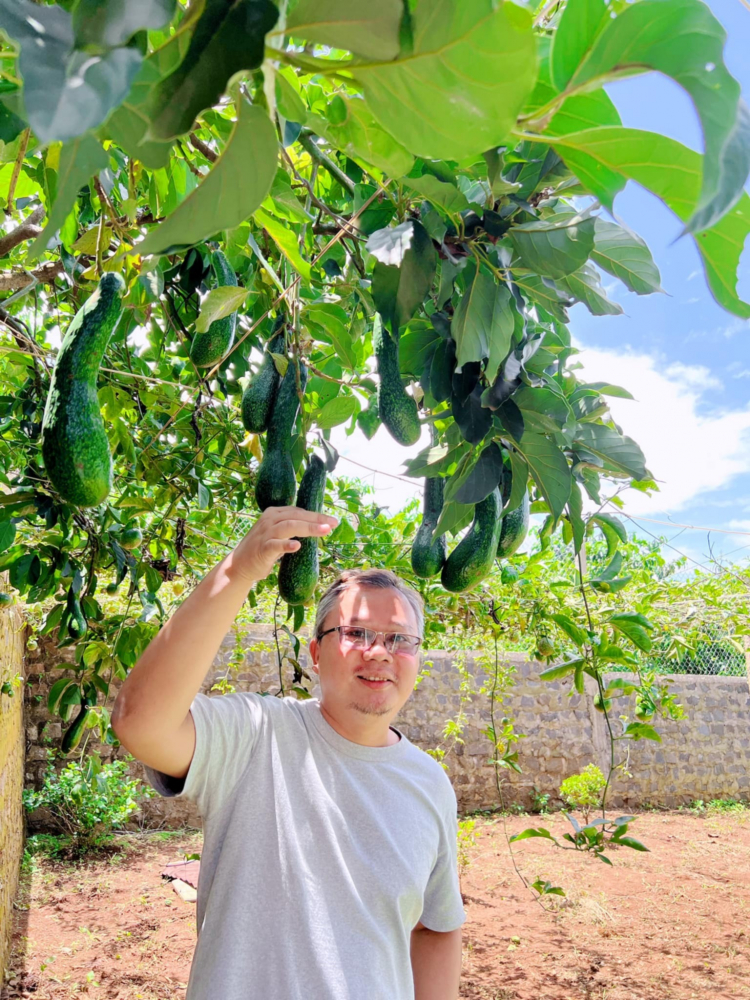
(369, 709)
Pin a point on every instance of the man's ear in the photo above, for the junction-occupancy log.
(314, 650)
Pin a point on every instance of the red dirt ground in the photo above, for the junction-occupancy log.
(669, 925)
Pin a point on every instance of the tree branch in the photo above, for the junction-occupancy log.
(26, 231)
(202, 148)
(308, 143)
(14, 280)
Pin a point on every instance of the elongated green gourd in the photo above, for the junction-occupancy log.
(471, 560)
(427, 557)
(298, 571)
(73, 734)
(514, 529)
(276, 484)
(74, 442)
(397, 410)
(209, 347)
(257, 399)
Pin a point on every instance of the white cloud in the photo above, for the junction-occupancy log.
(697, 376)
(689, 453)
(739, 525)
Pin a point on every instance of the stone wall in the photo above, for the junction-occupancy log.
(11, 771)
(705, 756)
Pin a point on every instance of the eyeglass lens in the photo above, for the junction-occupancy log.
(364, 638)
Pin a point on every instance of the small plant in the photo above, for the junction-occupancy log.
(584, 791)
(88, 799)
(467, 838)
(539, 801)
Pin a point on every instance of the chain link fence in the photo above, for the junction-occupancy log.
(716, 655)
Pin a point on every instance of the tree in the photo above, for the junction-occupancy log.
(425, 181)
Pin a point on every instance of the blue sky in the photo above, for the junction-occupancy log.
(685, 360)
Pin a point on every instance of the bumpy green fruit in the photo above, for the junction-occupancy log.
(471, 560)
(257, 399)
(428, 557)
(397, 410)
(276, 483)
(74, 442)
(298, 571)
(209, 347)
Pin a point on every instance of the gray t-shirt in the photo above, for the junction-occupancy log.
(320, 855)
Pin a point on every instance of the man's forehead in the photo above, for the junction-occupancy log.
(358, 605)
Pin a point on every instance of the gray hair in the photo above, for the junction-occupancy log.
(371, 579)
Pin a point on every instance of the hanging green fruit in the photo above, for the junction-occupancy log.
(298, 571)
(428, 557)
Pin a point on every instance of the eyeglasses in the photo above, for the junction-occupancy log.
(365, 638)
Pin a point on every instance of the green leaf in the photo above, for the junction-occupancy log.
(575, 514)
(624, 255)
(454, 517)
(11, 124)
(549, 408)
(634, 627)
(459, 89)
(641, 731)
(561, 670)
(404, 272)
(66, 91)
(357, 133)
(337, 411)
(519, 482)
(333, 320)
(229, 36)
(631, 842)
(483, 323)
(7, 535)
(370, 30)
(612, 522)
(219, 302)
(286, 240)
(580, 22)
(585, 286)
(570, 628)
(673, 172)
(525, 834)
(549, 468)
(80, 159)
(237, 184)
(544, 293)
(55, 692)
(608, 390)
(555, 246)
(684, 40)
(618, 451)
(482, 479)
(441, 193)
(109, 23)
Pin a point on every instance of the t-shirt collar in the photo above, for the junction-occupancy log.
(339, 742)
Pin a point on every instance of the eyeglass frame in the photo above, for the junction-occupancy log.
(365, 649)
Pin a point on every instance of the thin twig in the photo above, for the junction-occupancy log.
(17, 171)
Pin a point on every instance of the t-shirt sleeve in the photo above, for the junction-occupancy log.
(443, 908)
(226, 732)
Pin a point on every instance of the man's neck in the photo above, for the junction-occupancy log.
(368, 733)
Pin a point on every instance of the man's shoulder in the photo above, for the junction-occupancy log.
(431, 771)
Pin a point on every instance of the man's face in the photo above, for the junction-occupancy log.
(360, 683)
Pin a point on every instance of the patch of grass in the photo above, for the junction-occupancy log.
(718, 807)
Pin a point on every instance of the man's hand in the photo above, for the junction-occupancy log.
(275, 533)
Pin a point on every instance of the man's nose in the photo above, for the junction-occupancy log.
(378, 651)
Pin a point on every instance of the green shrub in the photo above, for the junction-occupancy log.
(584, 791)
(88, 799)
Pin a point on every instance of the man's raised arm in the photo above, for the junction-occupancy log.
(151, 716)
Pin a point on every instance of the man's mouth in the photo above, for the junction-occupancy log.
(374, 681)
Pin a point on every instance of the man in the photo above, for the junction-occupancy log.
(328, 869)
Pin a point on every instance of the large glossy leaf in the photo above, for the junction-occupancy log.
(618, 451)
(549, 467)
(228, 37)
(80, 159)
(441, 193)
(128, 124)
(585, 286)
(683, 39)
(543, 292)
(555, 246)
(66, 92)
(233, 190)
(352, 128)
(579, 25)
(106, 24)
(483, 324)
(459, 90)
(398, 289)
(482, 479)
(286, 240)
(625, 255)
(368, 29)
(673, 172)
